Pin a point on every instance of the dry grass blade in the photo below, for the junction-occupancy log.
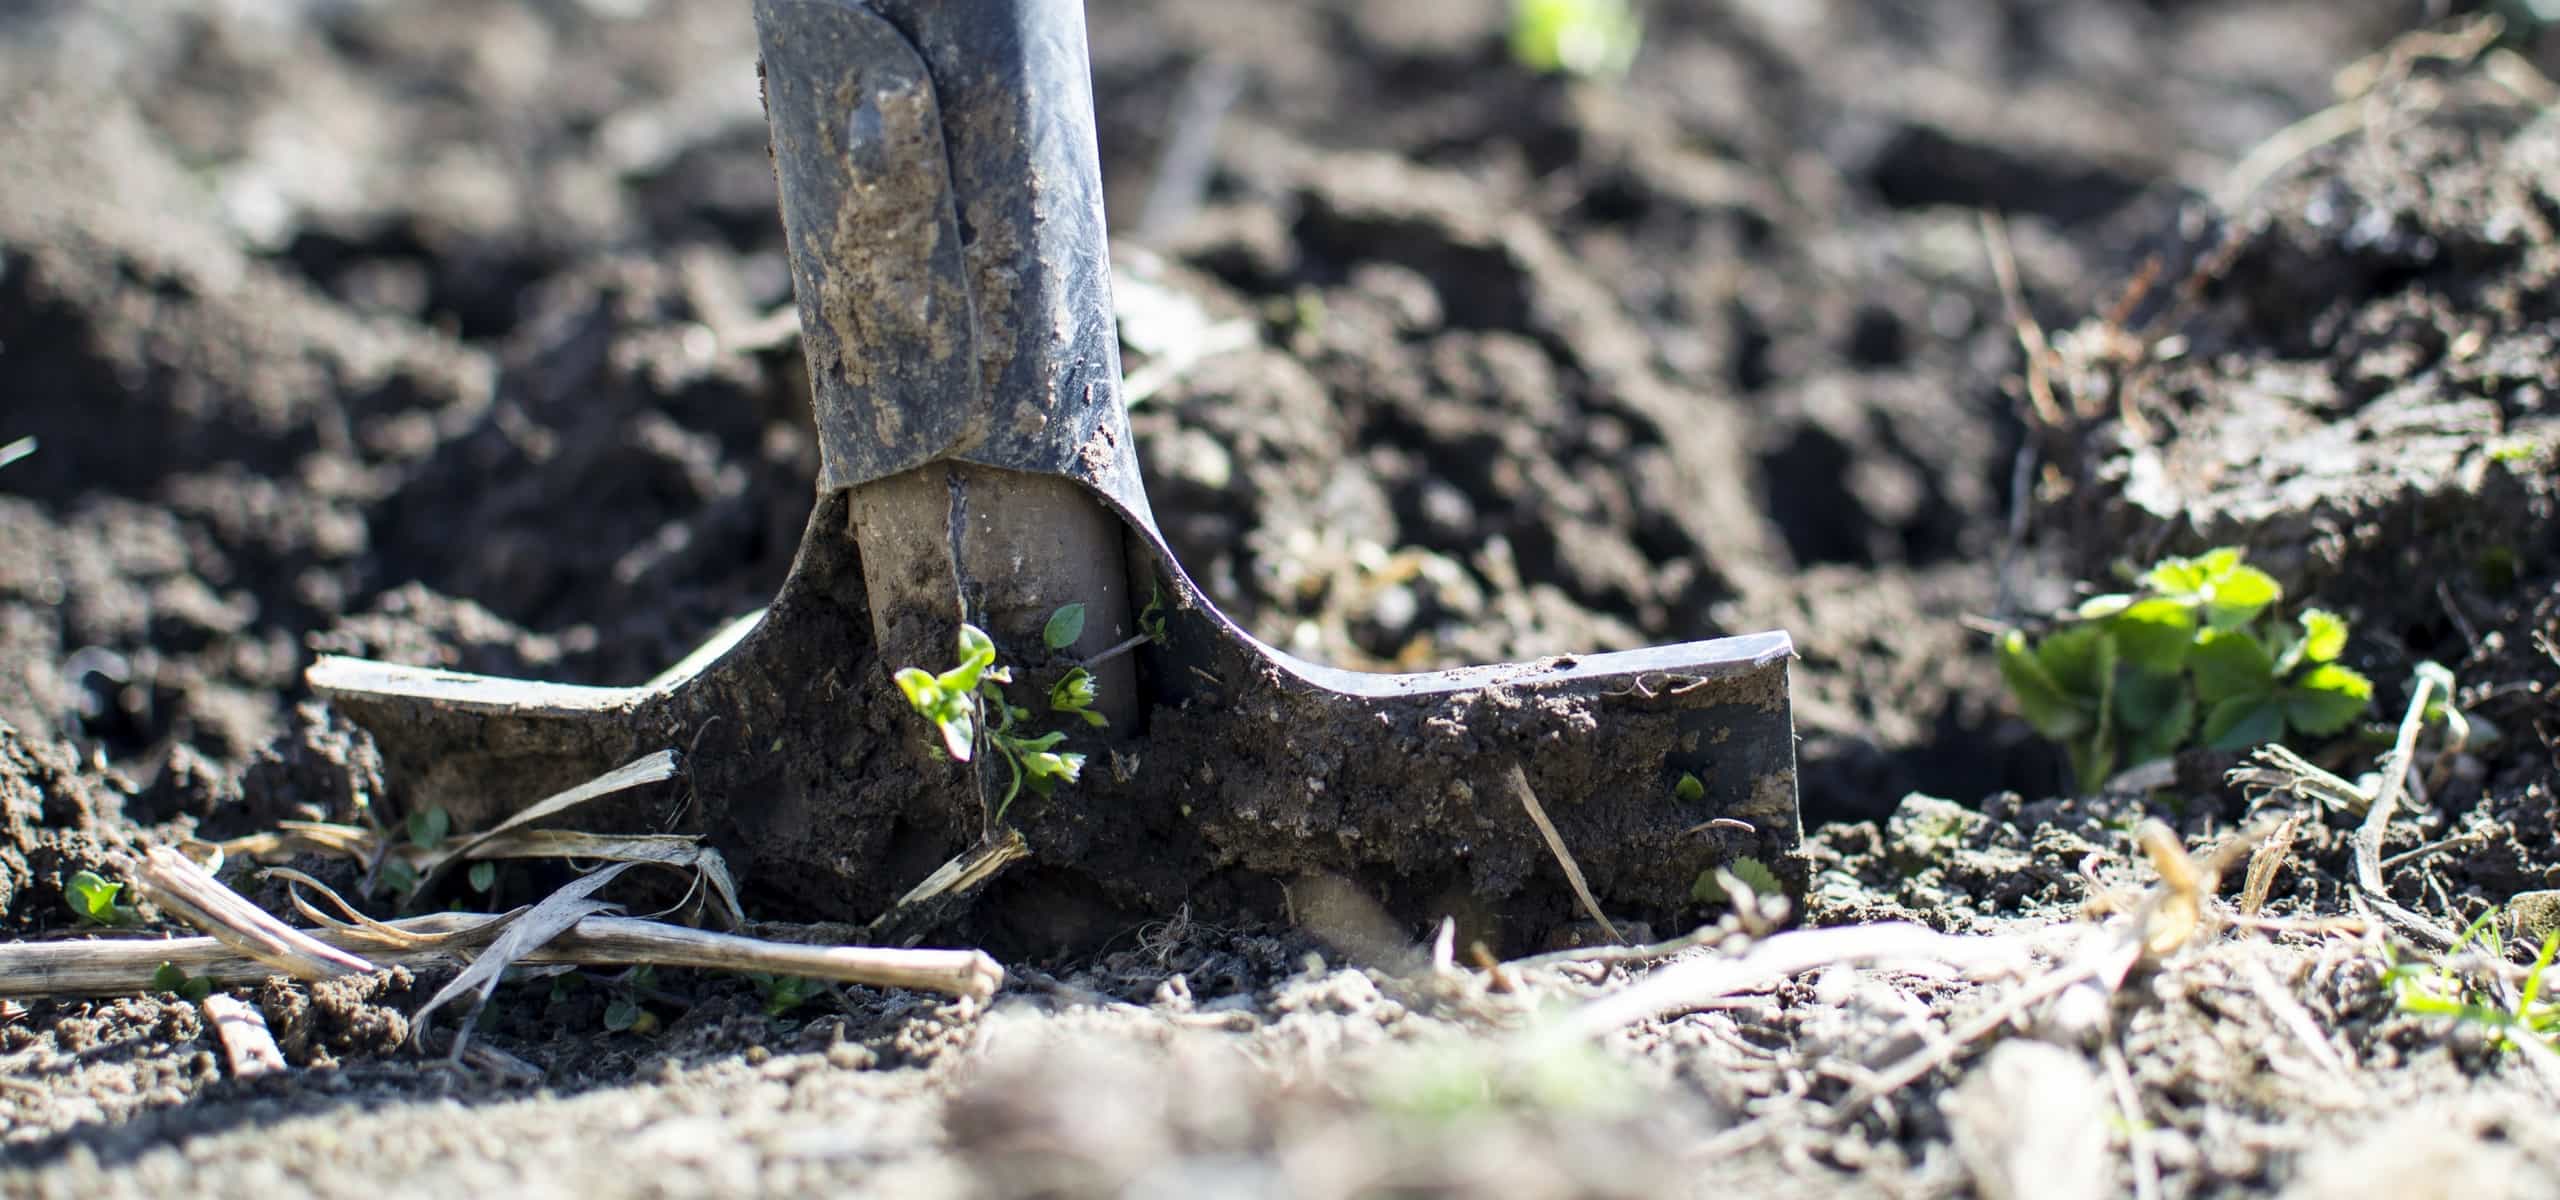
(681, 851)
(289, 838)
(174, 882)
(1518, 781)
(655, 767)
(525, 932)
(2265, 861)
(1698, 982)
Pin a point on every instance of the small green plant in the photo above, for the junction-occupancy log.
(2435, 990)
(968, 701)
(625, 1013)
(2197, 654)
(428, 827)
(483, 876)
(1690, 789)
(188, 987)
(92, 898)
(782, 993)
(1576, 37)
(1749, 872)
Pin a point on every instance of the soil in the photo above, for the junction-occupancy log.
(460, 336)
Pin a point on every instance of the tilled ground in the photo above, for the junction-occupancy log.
(448, 335)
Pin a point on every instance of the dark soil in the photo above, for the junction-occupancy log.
(459, 335)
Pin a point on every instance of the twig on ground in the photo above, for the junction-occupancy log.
(1695, 983)
(2298, 1022)
(248, 1049)
(2137, 1132)
(125, 966)
(174, 882)
(2031, 339)
(2434, 848)
(1704, 935)
(2394, 773)
(1518, 782)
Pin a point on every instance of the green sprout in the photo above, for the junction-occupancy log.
(2436, 990)
(2197, 654)
(625, 1013)
(1690, 789)
(969, 699)
(483, 876)
(1749, 872)
(1584, 38)
(782, 993)
(428, 827)
(188, 987)
(92, 898)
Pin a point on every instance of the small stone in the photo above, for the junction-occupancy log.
(2534, 915)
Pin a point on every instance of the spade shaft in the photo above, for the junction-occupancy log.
(941, 200)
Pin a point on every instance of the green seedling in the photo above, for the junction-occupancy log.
(483, 876)
(188, 987)
(1749, 872)
(967, 704)
(1584, 38)
(92, 898)
(2198, 656)
(782, 993)
(428, 827)
(1689, 790)
(624, 1013)
(2435, 990)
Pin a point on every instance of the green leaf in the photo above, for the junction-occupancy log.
(2230, 664)
(170, 979)
(484, 875)
(622, 1014)
(427, 827)
(2327, 700)
(2078, 658)
(2324, 635)
(1064, 627)
(1075, 693)
(398, 877)
(2040, 698)
(2154, 634)
(924, 692)
(1689, 790)
(959, 732)
(93, 899)
(2144, 700)
(2176, 576)
(2238, 597)
(1578, 37)
(2242, 722)
(2099, 607)
(1750, 872)
(2162, 735)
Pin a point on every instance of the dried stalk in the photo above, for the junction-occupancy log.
(125, 966)
(175, 883)
(1518, 781)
